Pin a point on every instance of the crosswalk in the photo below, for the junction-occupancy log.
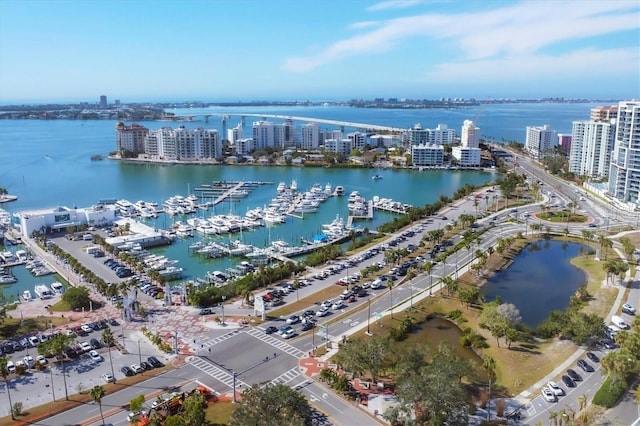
(276, 343)
(216, 372)
(287, 376)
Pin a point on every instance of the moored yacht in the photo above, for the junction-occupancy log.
(43, 292)
(57, 288)
(339, 190)
(26, 296)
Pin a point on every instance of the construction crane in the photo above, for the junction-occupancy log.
(482, 108)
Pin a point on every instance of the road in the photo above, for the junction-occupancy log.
(254, 357)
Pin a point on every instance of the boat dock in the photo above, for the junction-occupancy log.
(223, 190)
(368, 216)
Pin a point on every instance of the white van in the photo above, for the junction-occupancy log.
(87, 237)
(619, 322)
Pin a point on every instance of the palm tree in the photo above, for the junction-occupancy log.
(109, 340)
(553, 417)
(582, 401)
(4, 372)
(97, 393)
(57, 345)
(489, 366)
(428, 267)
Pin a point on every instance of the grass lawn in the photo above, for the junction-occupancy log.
(562, 216)
(533, 357)
(219, 413)
(12, 327)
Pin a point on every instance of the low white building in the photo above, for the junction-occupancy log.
(466, 157)
(339, 146)
(427, 155)
(60, 218)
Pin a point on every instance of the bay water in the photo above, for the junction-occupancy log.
(46, 163)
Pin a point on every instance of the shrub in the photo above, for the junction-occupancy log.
(17, 409)
(454, 315)
(610, 392)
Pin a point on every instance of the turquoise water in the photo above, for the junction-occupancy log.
(47, 164)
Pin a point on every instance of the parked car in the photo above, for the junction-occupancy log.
(270, 330)
(553, 387)
(137, 368)
(42, 360)
(593, 357)
(586, 367)
(293, 319)
(568, 381)
(337, 305)
(95, 344)
(154, 362)
(127, 371)
(206, 311)
(628, 308)
(284, 329)
(95, 356)
(548, 394)
(307, 326)
(85, 346)
(574, 376)
(107, 377)
(322, 311)
(146, 366)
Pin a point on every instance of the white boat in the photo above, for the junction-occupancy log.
(57, 288)
(339, 190)
(376, 177)
(7, 277)
(328, 189)
(294, 185)
(43, 292)
(26, 296)
(281, 187)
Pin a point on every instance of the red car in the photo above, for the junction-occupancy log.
(340, 282)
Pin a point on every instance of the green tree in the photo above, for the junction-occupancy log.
(136, 403)
(4, 372)
(489, 367)
(193, 409)
(371, 355)
(272, 405)
(97, 393)
(77, 297)
(57, 345)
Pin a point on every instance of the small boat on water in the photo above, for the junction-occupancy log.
(57, 288)
(43, 292)
(339, 190)
(26, 296)
(376, 177)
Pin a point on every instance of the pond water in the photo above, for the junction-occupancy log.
(438, 330)
(541, 279)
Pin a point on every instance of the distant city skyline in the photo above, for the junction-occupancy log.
(244, 50)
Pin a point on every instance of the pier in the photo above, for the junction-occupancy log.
(226, 189)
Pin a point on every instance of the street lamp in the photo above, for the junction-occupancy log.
(368, 316)
(234, 387)
(223, 299)
(139, 353)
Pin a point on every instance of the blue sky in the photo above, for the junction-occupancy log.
(228, 50)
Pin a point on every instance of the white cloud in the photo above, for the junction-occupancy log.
(570, 66)
(518, 30)
(393, 4)
(363, 24)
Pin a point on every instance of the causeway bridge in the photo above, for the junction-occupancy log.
(341, 124)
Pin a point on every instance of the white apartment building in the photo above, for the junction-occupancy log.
(130, 138)
(427, 155)
(591, 147)
(359, 140)
(624, 175)
(378, 141)
(235, 134)
(418, 135)
(339, 146)
(244, 146)
(183, 144)
(442, 135)
(540, 140)
(470, 135)
(264, 134)
(465, 156)
(287, 134)
(310, 136)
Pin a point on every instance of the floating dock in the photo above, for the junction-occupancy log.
(220, 191)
